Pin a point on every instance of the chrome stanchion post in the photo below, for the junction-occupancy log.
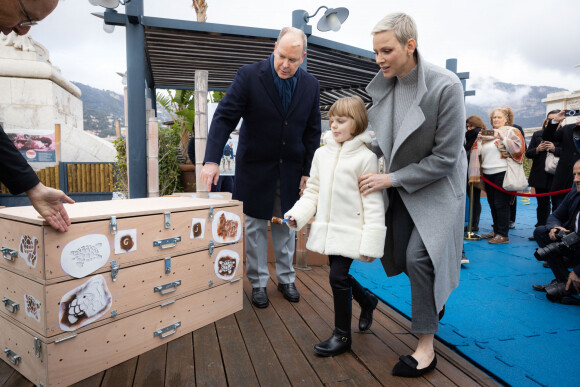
(470, 236)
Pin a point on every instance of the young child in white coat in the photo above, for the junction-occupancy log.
(348, 225)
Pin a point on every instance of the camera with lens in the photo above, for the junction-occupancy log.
(557, 292)
(564, 244)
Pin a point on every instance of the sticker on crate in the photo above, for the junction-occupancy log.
(226, 264)
(84, 255)
(84, 304)
(32, 307)
(28, 250)
(125, 241)
(226, 227)
(197, 228)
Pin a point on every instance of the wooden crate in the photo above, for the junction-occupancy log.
(79, 302)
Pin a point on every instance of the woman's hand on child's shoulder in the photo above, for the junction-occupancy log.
(364, 258)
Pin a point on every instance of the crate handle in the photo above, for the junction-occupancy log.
(12, 357)
(163, 242)
(9, 254)
(162, 289)
(162, 333)
(10, 305)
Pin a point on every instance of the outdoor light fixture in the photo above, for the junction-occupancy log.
(108, 3)
(108, 28)
(331, 20)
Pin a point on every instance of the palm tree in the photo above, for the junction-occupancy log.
(200, 7)
(181, 107)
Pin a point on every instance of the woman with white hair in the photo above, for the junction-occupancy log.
(419, 117)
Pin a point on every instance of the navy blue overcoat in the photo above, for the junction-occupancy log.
(272, 145)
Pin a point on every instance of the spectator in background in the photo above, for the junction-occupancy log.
(565, 150)
(473, 124)
(539, 178)
(506, 141)
(228, 155)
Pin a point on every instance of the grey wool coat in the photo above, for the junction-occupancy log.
(428, 160)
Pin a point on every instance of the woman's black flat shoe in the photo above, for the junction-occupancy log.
(407, 367)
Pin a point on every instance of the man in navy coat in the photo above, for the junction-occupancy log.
(280, 107)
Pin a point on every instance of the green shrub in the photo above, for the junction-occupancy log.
(169, 173)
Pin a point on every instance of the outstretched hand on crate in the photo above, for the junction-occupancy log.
(48, 203)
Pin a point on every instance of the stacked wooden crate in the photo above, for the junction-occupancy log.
(127, 276)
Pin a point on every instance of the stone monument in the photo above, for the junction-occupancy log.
(35, 96)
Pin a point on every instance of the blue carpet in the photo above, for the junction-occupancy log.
(494, 318)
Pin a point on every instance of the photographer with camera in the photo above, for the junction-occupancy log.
(563, 136)
(560, 246)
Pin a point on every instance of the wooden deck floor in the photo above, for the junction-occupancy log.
(273, 347)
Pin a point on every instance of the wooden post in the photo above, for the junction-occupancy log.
(201, 127)
(153, 158)
(69, 176)
(57, 152)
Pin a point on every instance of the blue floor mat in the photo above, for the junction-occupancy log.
(494, 318)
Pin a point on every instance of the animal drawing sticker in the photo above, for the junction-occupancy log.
(32, 307)
(125, 241)
(226, 264)
(84, 304)
(84, 255)
(226, 227)
(197, 228)
(28, 250)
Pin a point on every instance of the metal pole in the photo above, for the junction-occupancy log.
(298, 21)
(137, 126)
(469, 236)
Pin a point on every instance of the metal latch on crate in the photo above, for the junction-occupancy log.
(10, 305)
(167, 220)
(210, 213)
(37, 347)
(161, 243)
(211, 248)
(12, 357)
(162, 332)
(9, 254)
(114, 270)
(162, 289)
(168, 265)
(113, 225)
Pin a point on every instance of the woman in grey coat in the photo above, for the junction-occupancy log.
(418, 116)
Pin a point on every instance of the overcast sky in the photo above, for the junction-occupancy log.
(535, 42)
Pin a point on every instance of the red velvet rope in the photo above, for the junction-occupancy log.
(525, 194)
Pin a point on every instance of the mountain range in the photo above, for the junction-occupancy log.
(525, 101)
(102, 107)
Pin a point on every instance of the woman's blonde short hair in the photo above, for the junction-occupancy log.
(401, 24)
(507, 113)
(354, 108)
